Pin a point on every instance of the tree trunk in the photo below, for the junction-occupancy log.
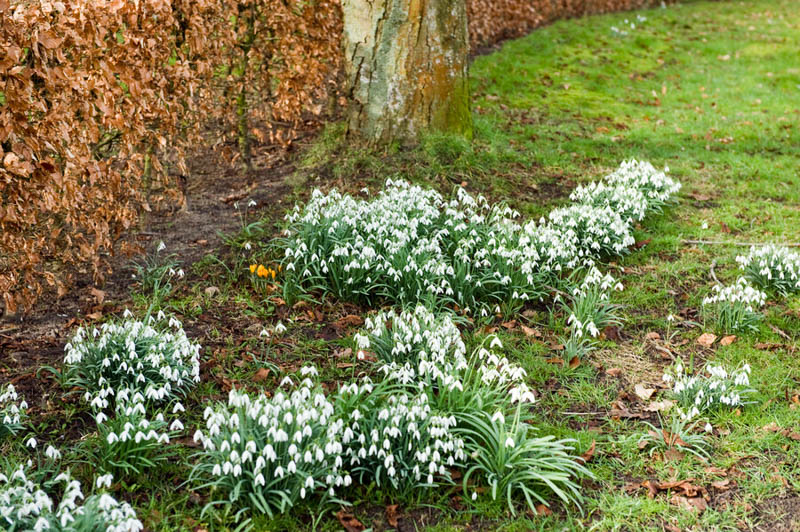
(406, 65)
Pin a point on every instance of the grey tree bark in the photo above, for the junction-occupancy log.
(406, 66)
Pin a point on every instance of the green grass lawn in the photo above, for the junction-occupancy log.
(709, 89)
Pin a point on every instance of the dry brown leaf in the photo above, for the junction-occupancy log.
(706, 339)
(98, 294)
(695, 504)
(542, 509)
(529, 332)
(652, 335)
(659, 406)
(642, 392)
(589, 454)
(673, 454)
(727, 340)
(391, 515)
(614, 372)
(349, 522)
(722, 485)
(261, 375)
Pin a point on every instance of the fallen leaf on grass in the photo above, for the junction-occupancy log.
(541, 509)
(643, 393)
(727, 340)
(614, 372)
(652, 336)
(673, 455)
(530, 332)
(574, 363)
(261, 375)
(659, 406)
(706, 339)
(589, 454)
(722, 485)
(95, 316)
(349, 522)
(391, 515)
(774, 427)
(343, 353)
(509, 325)
(555, 360)
(694, 504)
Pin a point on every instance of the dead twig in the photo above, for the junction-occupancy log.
(744, 244)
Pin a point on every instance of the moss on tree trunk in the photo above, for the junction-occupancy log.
(406, 63)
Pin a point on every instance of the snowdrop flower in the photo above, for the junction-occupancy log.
(52, 453)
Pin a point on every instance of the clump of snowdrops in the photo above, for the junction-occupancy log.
(409, 244)
(590, 311)
(12, 411)
(25, 505)
(773, 268)
(269, 453)
(488, 401)
(146, 356)
(735, 307)
(131, 373)
(712, 389)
